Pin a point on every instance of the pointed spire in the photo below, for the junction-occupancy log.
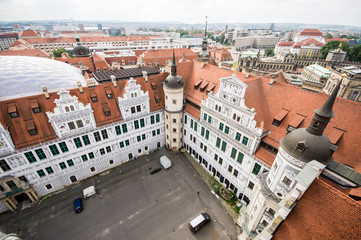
(174, 66)
(205, 31)
(326, 109)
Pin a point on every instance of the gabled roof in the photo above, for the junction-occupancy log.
(311, 32)
(322, 213)
(29, 33)
(285, 44)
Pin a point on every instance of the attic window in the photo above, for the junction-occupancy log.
(157, 99)
(196, 84)
(35, 106)
(279, 117)
(287, 181)
(203, 86)
(296, 121)
(30, 127)
(154, 86)
(301, 147)
(13, 111)
(93, 96)
(109, 93)
(106, 110)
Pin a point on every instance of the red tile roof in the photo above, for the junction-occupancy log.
(285, 44)
(337, 39)
(220, 54)
(164, 55)
(310, 40)
(322, 213)
(29, 33)
(25, 52)
(311, 32)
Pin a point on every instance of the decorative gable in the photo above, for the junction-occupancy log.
(135, 102)
(70, 116)
(232, 89)
(6, 143)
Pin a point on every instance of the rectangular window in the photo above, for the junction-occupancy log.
(62, 165)
(221, 126)
(209, 119)
(205, 116)
(240, 157)
(138, 139)
(185, 119)
(97, 136)
(40, 153)
(256, 168)
(218, 143)
(71, 125)
(153, 133)
(117, 130)
(250, 185)
(127, 143)
(124, 128)
(157, 118)
(108, 149)
(195, 126)
(104, 134)
(245, 140)
(84, 157)
(226, 130)
(143, 136)
(30, 157)
(4, 165)
(158, 131)
(63, 147)
(102, 151)
(121, 144)
(287, 181)
(23, 178)
(77, 142)
(91, 155)
(191, 123)
(152, 119)
(136, 124)
(79, 123)
(238, 136)
(86, 140)
(234, 153)
(224, 146)
(70, 162)
(132, 109)
(230, 168)
(142, 124)
(207, 134)
(138, 108)
(41, 173)
(235, 173)
(202, 131)
(49, 170)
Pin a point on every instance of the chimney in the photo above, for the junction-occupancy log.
(80, 87)
(45, 91)
(114, 81)
(145, 75)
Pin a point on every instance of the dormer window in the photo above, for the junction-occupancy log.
(30, 127)
(13, 111)
(106, 110)
(109, 93)
(157, 99)
(301, 147)
(35, 106)
(279, 117)
(104, 69)
(287, 181)
(93, 97)
(154, 86)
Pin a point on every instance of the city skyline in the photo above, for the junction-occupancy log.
(259, 11)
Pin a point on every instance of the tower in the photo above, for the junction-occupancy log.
(173, 91)
(204, 54)
(302, 155)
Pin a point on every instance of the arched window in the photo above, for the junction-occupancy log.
(234, 116)
(71, 108)
(66, 109)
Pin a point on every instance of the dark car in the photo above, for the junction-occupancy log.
(199, 222)
(78, 205)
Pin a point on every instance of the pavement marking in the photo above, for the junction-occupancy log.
(105, 232)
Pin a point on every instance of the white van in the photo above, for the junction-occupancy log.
(199, 222)
(88, 192)
(166, 163)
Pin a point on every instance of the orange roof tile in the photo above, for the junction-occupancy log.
(163, 55)
(322, 213)
(25, 52)
(29, 33)
(311, 32)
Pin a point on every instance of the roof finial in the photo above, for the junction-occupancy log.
(326, 109)
(77, 39)
(174, 66)
(205, 31)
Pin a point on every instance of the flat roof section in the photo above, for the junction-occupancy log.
(124, 74)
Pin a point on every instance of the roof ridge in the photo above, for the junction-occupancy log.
(339, 194)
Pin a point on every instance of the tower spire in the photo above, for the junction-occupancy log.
(205, 31)
(324, 114)
(174, 66)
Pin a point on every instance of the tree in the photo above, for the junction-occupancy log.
(183, 32)
(269, 52)
(59, 51)
(329, 36)
(210, 35)
(355, 54)
(221, 38)
(333, 45)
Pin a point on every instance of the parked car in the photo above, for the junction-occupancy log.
(78, 205)
(199, 222)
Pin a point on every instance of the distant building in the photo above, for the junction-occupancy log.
(336, 57)
(310, 33)
(81, 27)
(314, 77)
(259, 42)
(27, 34)
(100, 27)
(7, 39)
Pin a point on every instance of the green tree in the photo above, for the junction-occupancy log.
(355, 54)
(183, 32)
(269, 52)
(59, 51)
(333, 45)
(329, 36)
(210, 35)
(221, 38)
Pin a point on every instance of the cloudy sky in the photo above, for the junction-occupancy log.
(346, 12)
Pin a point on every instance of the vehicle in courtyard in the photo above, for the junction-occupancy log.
(165, 162)
(78, 205)
(199, 222)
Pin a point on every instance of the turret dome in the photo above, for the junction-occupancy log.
(174, 81)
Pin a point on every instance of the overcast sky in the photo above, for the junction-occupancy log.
(345, 12)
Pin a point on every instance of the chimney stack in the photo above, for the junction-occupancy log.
(45, 91)
(145, 75)
(114, 81)
(80, 87)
